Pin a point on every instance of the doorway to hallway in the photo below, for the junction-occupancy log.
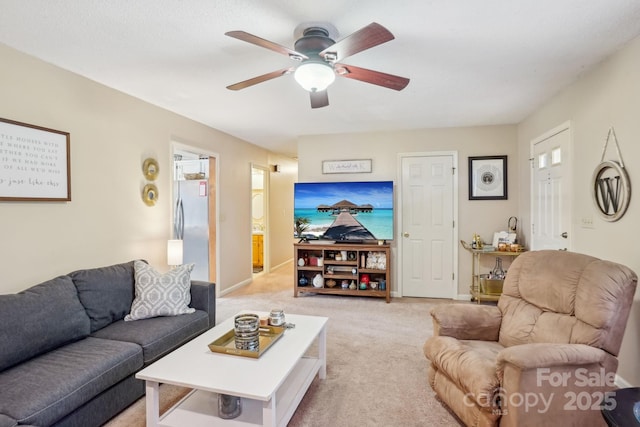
(194, 209)
(259, 222)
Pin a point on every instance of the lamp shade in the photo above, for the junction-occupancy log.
(174, 252)
(314, 76)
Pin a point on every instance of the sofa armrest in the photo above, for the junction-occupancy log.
(203, 297)
(466, 321)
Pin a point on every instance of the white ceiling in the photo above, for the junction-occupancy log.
(470, 62)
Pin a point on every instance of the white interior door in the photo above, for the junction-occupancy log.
(551, 200)
(427, 229)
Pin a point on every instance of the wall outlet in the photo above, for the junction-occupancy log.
(586, 222)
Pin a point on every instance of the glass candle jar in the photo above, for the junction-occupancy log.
(276, 317)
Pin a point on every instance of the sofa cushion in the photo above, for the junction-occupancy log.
(105, 292)
(7, 421)
(159, 335)
(158, 294)
(39, 319)
(46, 388)
(470, 364)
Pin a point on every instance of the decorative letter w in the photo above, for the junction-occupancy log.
(609, 194)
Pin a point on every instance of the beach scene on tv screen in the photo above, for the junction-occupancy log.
(344, 211)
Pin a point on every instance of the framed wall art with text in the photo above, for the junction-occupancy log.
(34, 163)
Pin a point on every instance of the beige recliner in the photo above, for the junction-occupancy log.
(545, 355)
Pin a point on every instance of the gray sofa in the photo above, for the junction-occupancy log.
(67, 357)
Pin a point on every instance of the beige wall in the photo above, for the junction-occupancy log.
(112, 133)
(608, 96)
(106, 222)
(483, 217)
(281, 210)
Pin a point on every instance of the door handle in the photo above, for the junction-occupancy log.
(564, 235)
(178, 220)
(405, 234)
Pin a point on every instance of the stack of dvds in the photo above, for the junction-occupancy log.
(247, 332)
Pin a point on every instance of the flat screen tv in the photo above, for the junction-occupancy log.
(343, 211)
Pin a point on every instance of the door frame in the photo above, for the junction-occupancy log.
(265, 205)
(569, 169)
(178, 146)
(398, 234)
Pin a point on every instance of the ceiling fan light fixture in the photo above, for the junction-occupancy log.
(314, 76)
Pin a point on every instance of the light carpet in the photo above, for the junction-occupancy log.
(376, 370)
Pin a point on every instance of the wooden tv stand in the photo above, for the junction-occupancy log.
(362, 259)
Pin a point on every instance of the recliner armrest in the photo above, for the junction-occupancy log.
(566, 383)
(544, 355)
(467, 322)
(203, 297)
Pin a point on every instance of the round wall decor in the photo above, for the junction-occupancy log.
(150, 169)
(611, 190)
(610, 184)
(150, 194)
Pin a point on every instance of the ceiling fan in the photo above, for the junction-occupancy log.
(318, 55)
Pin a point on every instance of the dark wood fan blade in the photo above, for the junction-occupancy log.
(319, 99)
(363, 39)
(260, 79)
(374, 77)
(250, 38)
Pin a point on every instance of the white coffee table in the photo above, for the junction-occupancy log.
(271, 386)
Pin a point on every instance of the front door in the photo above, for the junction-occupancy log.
(550, 198)
(427, 229)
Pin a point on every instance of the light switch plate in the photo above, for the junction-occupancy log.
(586, 222)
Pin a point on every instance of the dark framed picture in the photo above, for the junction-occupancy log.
(488, 178)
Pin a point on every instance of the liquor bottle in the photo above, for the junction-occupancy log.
(498, 272)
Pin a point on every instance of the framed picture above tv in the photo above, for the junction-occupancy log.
(344, 211)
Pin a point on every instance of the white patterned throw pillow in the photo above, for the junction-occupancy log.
(160, 294)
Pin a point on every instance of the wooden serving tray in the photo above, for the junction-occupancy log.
(227, 343)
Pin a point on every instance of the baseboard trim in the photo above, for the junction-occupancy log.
(236, 287)
(290, 260)
(621, 382)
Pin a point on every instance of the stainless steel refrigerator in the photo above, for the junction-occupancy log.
(192, 224)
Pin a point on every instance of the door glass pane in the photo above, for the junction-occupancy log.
(542, 161)
(556, 156)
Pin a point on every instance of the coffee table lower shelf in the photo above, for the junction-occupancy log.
(200, 407)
